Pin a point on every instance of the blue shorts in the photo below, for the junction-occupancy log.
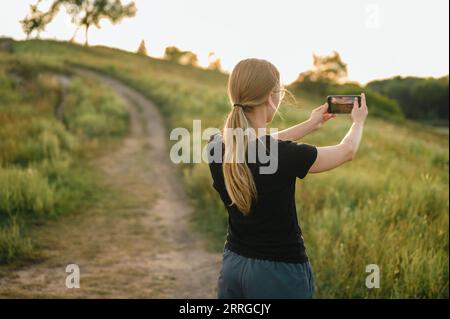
(242, 277)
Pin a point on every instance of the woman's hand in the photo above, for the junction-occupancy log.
(359, 113)
(319, 115)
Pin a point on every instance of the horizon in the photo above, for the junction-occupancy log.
(418, 54)
(204, 67)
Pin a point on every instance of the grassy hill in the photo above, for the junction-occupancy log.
(388, 207)
(44, 170)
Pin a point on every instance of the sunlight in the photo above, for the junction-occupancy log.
(287, 33)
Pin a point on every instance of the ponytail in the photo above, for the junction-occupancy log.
(238, 178)
(250, 83)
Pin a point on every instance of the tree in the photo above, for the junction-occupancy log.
(189, 58)
(328, 68)
(419, 98)
(214, 62)
(36, 20)
(183, 57)
(83, 13)
(142, 48)
(172, 54)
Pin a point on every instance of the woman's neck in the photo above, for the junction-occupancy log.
(257, 119)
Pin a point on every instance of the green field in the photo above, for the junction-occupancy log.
(387, 207)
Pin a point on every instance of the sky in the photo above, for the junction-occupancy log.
(376, 38)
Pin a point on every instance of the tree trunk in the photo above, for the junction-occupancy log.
(72, 39)
(86, 42)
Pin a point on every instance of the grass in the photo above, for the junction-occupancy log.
(44, 171)
(388, 207)
(94, 115)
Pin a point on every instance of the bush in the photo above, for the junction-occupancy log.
(24, 192)
(45, 139)
(12, 242)
(95, 113)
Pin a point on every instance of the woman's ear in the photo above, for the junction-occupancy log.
(270, 101)
(268, 105)
(272, 105)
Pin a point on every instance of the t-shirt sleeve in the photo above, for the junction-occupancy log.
(302, 157)
(214, 160)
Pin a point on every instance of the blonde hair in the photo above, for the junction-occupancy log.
(249, 84)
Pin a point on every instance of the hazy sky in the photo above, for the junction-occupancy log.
(377, 38)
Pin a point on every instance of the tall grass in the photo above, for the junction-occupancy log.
(388, 207)
(12, 242)
(42, 171)
(94, 114)
(23, 192)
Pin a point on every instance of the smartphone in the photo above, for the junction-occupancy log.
(342, 104)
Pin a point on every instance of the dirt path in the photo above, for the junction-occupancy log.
(138, 243)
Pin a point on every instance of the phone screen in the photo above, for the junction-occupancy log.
(342, 103)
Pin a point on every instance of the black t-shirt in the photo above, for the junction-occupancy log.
(271, 230)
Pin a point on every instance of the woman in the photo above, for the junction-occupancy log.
(264, 255)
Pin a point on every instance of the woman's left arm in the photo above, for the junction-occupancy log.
(319, 115)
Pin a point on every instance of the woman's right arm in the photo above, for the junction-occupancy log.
(329, 157)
